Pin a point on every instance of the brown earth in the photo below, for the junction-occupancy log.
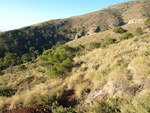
(67, 96)
(25, 83)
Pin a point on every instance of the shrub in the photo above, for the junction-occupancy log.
(60, 61)
(139, 31)
(119, 30)
(94, 45)
(147, 22)
(108, 42)
(49, 99)
(126, 36)
(22, 67)
(60, 109)
(8, 92)
(109, 106)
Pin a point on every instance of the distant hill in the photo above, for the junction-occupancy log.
(44, 35)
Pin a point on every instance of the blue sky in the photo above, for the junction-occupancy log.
(19, 13)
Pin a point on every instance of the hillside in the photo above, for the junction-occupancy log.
(44, 35)
(111, 78)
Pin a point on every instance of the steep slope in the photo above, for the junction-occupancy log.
(110, 79)
(44, 35)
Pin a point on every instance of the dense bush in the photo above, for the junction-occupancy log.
(119, 30)
(126, 36)
(139, 31)
(60, 61)
(49, 100)
(94, 45)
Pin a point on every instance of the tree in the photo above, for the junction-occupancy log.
(11, 59)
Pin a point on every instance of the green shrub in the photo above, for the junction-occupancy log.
(94, 45)
(60, 109)
(22, 67)
(139, 31)
(119, 30)
(8, 92)
(60, 61)
(49, 99)
(126, 36)
(108, 42)
(147, 22)
(109, 106)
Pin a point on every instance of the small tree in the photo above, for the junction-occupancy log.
(60, 61)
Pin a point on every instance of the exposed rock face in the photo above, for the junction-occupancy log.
(134, 20)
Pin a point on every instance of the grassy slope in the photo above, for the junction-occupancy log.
(118, 70)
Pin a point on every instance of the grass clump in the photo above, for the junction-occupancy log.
(110, 106)
(108, 42)
(139, 31)
(22, 68)
(126, 36)
(119, 30)
(60, 109)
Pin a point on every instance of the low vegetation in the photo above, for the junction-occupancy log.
(119, 30)
(126, 36)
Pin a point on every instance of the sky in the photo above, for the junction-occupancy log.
(15, 14)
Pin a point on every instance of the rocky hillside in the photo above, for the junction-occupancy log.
(110, 75)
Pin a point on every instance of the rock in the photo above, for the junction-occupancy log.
(87, 90)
